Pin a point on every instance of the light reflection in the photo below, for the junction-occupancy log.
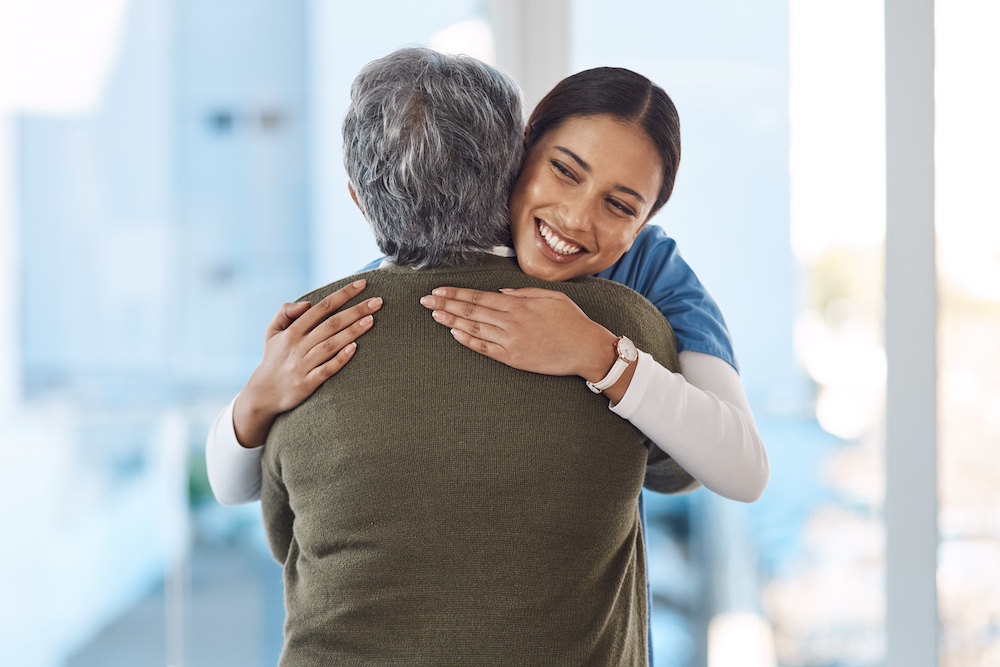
(473, 38)
(55, 54)
(837, 157)
(837, 110)
(829, 607)
(967, 141)
(740, 639)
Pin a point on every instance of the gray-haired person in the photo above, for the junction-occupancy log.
(436, 507)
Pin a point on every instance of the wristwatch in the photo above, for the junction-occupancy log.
(625, 349)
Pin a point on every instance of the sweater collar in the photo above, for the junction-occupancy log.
(496, 258)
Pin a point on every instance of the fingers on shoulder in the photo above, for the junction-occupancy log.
(330, 368)
(353, 315)
(484, 347)
(336, 299)
(534, 293)
(472, 298)
(286, 315)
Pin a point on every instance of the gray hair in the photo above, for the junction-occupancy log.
(433, 144)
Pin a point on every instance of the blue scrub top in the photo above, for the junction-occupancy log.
(654, 268)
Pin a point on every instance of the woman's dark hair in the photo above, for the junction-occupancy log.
(622, 94)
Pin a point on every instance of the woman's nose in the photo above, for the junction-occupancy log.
(575, 214)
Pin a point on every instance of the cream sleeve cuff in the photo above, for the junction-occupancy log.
(632, 400)
(233, 470)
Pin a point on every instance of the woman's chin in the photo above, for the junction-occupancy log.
(539, 266)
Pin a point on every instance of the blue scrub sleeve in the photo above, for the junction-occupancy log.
(654, 268)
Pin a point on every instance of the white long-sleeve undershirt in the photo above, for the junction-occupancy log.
(233, 470)
(699, 416)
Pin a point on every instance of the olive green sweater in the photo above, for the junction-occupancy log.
(432, 506)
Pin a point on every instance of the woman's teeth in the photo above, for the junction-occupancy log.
(556, 243)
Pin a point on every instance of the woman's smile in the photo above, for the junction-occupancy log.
(560, 247)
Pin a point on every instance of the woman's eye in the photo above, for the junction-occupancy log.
(562, 170)
(622, 208)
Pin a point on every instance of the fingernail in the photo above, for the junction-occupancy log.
(438, 315)
(427, 301)
(506, 289)
(374, 303)
(438, 291)
(366, 321)
(350, 348)
(358, 283)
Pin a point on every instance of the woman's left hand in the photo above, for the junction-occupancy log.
(531, 329)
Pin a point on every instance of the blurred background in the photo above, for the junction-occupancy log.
(170, 173)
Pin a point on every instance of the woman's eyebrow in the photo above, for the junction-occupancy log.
(630, 191)
(586, 167)
(576, 158)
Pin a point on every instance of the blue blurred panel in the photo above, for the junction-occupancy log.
(242, 181)
(798, 450)
(159, 237)
(96, 202)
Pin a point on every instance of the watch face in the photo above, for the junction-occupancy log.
(626, 350)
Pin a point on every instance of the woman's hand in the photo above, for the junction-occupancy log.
(532, 329)
(303, 347)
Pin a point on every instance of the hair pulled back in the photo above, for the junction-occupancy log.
(621, 94)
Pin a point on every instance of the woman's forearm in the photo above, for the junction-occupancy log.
(702, 419)
(233, 470)
(304, 346)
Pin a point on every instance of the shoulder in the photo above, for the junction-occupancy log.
(653, 238)
(613, 294)
(321, 293)
(653, 263)
(655, 268)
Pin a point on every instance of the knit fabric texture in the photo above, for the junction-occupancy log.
(432, 506)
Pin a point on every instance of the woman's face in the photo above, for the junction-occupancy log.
(583, 194)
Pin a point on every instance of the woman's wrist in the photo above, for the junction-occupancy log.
(597, 358)
(598, 355)
(252, 417)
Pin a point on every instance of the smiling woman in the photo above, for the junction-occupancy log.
(585, 191)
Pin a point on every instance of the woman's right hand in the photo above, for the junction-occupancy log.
(304, 346)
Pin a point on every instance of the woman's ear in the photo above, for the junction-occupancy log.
(527, 134)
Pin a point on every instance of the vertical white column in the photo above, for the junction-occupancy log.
(911, 335)
(10, 367)
(532, 43)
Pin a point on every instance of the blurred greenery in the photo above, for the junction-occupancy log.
(199, 491)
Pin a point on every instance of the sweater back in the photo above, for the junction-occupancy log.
(432, 506)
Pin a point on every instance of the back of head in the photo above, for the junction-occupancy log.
(622, 94)
(432, 147)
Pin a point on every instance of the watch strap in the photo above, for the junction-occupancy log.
(617, 369)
